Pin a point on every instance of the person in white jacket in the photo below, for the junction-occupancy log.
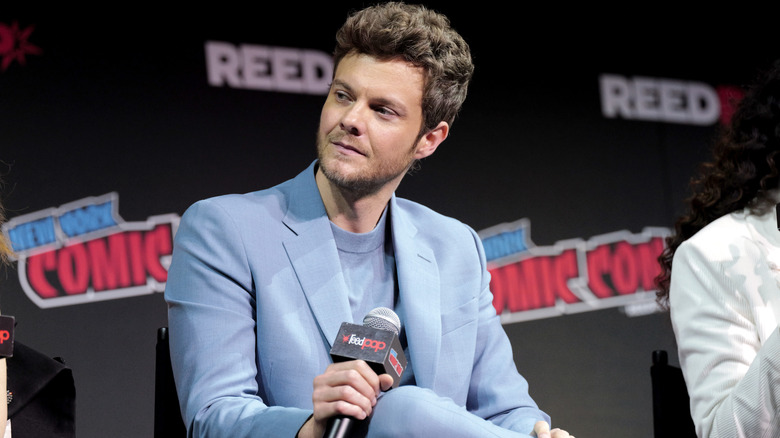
(721, 275)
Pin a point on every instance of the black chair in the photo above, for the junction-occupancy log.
(167, 416)
(671, 407)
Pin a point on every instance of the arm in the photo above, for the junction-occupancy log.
(211, 298)
(497, 391)
(731, 372)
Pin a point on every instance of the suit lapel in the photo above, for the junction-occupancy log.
(418, 285)
(314, 257)
(315, 260)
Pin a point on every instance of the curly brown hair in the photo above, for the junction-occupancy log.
(421, 37)
(741, 173)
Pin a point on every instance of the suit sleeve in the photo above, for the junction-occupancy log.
(498, 392)
(211, 315)
(733, 378)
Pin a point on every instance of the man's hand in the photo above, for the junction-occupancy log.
(345, 388)
(542, 430)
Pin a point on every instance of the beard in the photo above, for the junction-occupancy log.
(369, 178)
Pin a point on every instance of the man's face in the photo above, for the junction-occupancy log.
(370, 123)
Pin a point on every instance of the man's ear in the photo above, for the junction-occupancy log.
(431, 140)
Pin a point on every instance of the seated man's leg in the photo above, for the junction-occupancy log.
(413, 411)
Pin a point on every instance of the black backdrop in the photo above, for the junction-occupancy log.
(118, 102)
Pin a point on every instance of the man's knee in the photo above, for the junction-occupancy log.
(408, 410)
(415, 411)
(407, 399)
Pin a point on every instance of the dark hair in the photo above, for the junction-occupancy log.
(743, 170)
(421, 37)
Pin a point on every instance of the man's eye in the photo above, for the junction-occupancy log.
(384, 110)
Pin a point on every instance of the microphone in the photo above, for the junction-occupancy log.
(375, 342)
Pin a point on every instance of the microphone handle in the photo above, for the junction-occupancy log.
(339, 427)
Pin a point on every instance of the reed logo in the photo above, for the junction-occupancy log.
(280, 69)
(667, 100)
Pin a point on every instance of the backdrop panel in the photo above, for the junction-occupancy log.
(111, 125)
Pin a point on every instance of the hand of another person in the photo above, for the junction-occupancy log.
(345, 388)
(542, 430)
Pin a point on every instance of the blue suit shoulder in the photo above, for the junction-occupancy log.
(440, 230)
(253, 204)
(424, 216)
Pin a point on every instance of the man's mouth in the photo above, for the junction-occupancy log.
(346, 148)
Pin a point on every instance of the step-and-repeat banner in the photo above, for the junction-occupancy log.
(571, 158)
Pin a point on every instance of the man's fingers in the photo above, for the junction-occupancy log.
(385, 381)
(345, 388)
(366, 374)
(541, 430)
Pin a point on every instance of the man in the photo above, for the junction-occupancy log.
(260, 283)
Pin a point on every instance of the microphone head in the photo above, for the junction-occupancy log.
(383, 318)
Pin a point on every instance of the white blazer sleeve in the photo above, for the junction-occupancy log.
(717, 308)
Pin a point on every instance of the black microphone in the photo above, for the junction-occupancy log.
(376, 342)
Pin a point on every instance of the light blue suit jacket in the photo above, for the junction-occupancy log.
(256, 297)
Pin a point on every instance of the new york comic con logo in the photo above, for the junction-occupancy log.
(577, 275)
(84, 251)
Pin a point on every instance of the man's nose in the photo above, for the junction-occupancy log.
(353, 120)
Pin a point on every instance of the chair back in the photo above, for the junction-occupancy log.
(671, 405)
(167, 414)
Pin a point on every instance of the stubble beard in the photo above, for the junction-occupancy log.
(365, 182)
